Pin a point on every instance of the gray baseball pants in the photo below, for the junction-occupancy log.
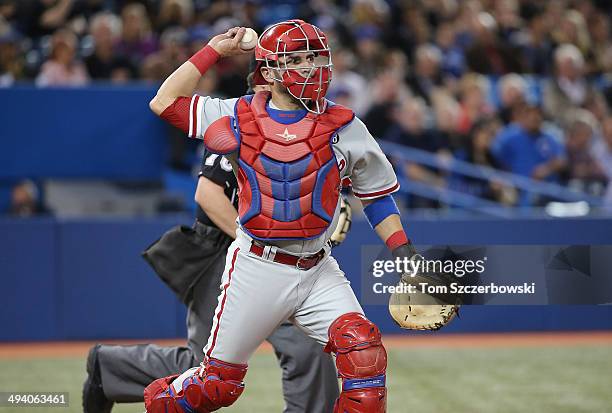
(191, 262)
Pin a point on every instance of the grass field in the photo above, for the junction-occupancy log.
(558, 377)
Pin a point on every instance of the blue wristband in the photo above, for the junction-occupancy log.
(380, 209)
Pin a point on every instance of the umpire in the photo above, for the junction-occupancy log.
(191, 262)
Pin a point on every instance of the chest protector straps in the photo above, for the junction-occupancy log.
(289, 181)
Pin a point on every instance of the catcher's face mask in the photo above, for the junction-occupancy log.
(298, 55)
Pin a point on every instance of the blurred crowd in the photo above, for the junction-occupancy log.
(519, 85)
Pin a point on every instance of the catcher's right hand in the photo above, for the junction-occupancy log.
(418, 310)
(344, 223)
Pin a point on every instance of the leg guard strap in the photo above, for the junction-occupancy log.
(353, 384)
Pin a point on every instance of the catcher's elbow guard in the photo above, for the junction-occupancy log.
(222, 136)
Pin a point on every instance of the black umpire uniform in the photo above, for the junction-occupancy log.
(191, 262)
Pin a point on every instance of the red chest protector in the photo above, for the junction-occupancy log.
(288, 180)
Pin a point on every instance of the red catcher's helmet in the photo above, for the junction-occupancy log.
(291, 36)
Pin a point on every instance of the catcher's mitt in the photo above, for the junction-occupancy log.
(344, 223)
(418, 310)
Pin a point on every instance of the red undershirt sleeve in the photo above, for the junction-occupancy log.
(177, 114)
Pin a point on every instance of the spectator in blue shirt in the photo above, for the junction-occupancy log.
(524, 149)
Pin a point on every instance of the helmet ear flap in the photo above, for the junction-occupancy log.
(258, 77)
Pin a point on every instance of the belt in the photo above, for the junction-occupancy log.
(300, 262)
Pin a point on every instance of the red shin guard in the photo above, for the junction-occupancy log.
(214, 385)
(361, 360)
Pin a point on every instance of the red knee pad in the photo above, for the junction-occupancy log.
(214, 385)
(358, 346)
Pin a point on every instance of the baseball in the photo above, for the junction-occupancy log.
(249, 40)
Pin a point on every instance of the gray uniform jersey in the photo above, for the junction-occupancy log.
(359, 157)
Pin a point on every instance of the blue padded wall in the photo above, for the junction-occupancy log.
(85, 279)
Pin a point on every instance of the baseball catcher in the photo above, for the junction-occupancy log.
(290, 149)
(190, 261)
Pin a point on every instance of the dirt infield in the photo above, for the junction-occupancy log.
(80, 348)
